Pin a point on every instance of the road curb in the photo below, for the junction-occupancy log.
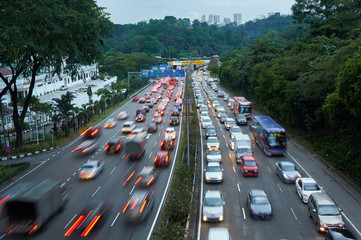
(28, 154)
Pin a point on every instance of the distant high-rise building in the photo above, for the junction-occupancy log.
(237, 19)
(210, 19)
(203, 18)
(217, 19)
(227, 20)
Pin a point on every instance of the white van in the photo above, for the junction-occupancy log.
(242, 145)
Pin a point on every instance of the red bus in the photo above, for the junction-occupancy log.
(242, 105)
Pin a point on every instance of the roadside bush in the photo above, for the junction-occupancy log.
(15, 169)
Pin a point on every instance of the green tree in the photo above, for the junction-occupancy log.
(89, 92)
(65, 106)
(47, 35)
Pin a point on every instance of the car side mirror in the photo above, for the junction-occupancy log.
(314, 210)
(224, 203)
(340, 209)
(222, 169)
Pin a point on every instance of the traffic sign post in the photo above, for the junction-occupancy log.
(8, 150)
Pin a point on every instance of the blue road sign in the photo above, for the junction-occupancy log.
(154, 68)
(168, 73)
(157, 73)
(8, 150)
(179, 73)
(163, 67)
(146, 73)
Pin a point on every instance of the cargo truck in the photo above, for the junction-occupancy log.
(28, 208)
(135, 146)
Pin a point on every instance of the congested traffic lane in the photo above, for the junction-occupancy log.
(289, 220)
(109, 184)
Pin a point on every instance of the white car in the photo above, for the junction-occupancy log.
(212, 143)
(63, 88)
(203, 108)
(203, 115)
(305, 187)
(123, 115)
(235, 130)
(91, 169)
(128, 127)
(213, 156)
(213, 173)
(229, 123)
(206, 121)
(212, 209)
(170, 133)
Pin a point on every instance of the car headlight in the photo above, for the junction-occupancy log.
(323, 224)
(221, 218)
(208, 178)
(299, 175)
(255, 170)
(220, 177)
(285, 176)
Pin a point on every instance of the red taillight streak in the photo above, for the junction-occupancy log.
(143, 205)
(137, 180)
(150, 180)
(129, 177)
(162, 143)
(126, 206)
(86, 130)
(171, 143)
(94, 132)
(75, 149)
(106, 148)
(4, 199)
(91, 225)
(117, 148)
(71, 229)
(138, 155)
(135, 203)
(86, 149)
(33, 229)
(84, 219)
(155, 159)
(81, 173)
(166, 159)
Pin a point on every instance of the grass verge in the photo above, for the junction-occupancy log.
(15, 169)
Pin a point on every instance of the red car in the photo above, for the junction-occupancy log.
(249, 167)
(162, 159)
(135, 99)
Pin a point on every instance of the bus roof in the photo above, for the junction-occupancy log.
(269, 124)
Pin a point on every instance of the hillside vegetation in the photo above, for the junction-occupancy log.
(312, 83)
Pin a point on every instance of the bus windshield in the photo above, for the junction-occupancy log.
(245, 109)
(276, 141)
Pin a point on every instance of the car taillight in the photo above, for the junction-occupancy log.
(91, 225)
(106, 147)
(118, 147)
(86, 130)
(4, 199)
(137, 180)
(155, 159)
(71, 229)
(76, 149)
(126, 206)
(150, 180)
(143, 205)
(94, 132)
(166, 159)
(86, 149)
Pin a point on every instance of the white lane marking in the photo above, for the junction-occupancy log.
(234, 170)
(150, 154)
(244, 213)
(269, 169)
(349, 221)
(227, 145)
(279, 187)
(70, 221)
(158, 134)
(239, 189)
(115, 219)
(132, 190)
(112, 171)
(80, 168)
(74, 174)
(53, 155)
(293, 213)
(253, 145)
(230, 156)
(155, 143)
(299, 164)
(3, 236)
(68, 179)
(96, 191)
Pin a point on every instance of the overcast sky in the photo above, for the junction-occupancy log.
(134, 11)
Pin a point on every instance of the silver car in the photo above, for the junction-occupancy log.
(206, 121)
(91, 170)
(213, 173)
(213, 156)
(229, 123)
(212, 210)
(128, 127)
(218, 233)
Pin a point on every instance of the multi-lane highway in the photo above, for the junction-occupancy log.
(290, 217)
(64, 165)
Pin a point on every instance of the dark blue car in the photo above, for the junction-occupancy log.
(259, 205)
(287, 171)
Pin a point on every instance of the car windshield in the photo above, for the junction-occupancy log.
(126, 125)
(214, 169)
(204, 114)
(311, 186)
(88, 167)
(211, 130)
(328, 210)
(288, 168)
(240, 117)
(231, 122)
(213, 201)
(207, 120)
(244, 151)
(260, 200)
(234, 130)
(213, 153)
(250, 163)
(212, 140)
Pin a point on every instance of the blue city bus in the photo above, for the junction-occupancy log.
(269, 135)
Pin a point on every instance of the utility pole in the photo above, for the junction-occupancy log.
(3, 122)
(187, 110)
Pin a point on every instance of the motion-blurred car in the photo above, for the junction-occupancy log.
(147, 176)
(305, 187)
(142, 100)
(139, 132)
(135, 99)
(139, 205)
(140, 111)
(212, 143)
(213, 156)
(167, 144)
(340, 234)
(140, 118)
(91, 170)
(149, 103)
(241, 119)
(174, 120)
(259, 205)
(87, 147)
(90, 218)
(287, 171)
(213, 173)
(110, 123)
(91, 132)
(152, 127)
(160, 111)
(170, 133)
(157, 119)
(203, 114)
(223, 118)
(212, 209)
(249, 167)
(123, 115)
(162, 159)
(128, 127)
(146, 108)
(114, 146)
(211, 131)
